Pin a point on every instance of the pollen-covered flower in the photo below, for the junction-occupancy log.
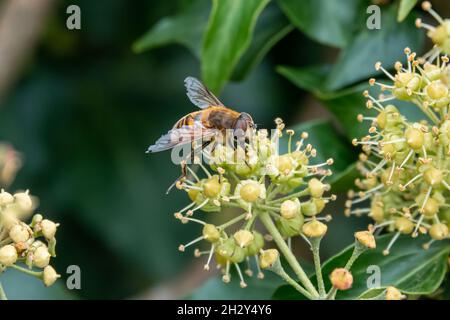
(258, 181)
(405, 165)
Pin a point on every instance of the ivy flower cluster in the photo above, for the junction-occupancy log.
(405, 164)
(27, 247)
(285, 192)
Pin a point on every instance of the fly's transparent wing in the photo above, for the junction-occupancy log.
(199, 94)
(181, 136)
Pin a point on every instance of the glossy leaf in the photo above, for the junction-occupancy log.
(405, 8)
(409, 267)
(228, 35)
(330, 22)
(356, 62)
(185, 28)
(271, 27)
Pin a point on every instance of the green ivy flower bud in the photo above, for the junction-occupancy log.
(243, 238)
(309, 208)
(211, 233)
(314, 229)
(49, 276)
(290, 209)
(404, 225)
(376, 212)
(230, 251)
(284, 164)
(366, 238)
(290, 227)
(268, 258)
(8, 255)
(433, 176)
(41, 257)
(431, 207)
(341, 279)
(211, 187)
(256, 245)
(439, 231)
(414, 138)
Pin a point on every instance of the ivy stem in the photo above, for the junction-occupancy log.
(278, 269)
(357, 251)
(315, 247)
(287, 253)
(294, 195)
(2, 293)
(37, 274)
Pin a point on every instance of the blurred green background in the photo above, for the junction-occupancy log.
(83, 107)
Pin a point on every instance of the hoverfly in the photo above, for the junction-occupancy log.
(206, 125)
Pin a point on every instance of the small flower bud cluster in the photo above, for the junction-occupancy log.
(439, 35)
(31, 244)
(10, 163)
(287, 186)
(406, 165)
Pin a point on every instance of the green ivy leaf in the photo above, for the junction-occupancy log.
(228, 35)
(185, 28)
(357, 60)
(409, 268)
(271, 27)
(405, 8)
(329, 22)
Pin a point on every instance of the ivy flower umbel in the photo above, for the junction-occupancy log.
(286, 192)
(406, 165)
(30, 244)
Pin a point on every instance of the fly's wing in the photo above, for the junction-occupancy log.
(199, 94)
(181, 136)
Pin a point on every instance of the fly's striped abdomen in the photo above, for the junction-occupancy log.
(189, 120)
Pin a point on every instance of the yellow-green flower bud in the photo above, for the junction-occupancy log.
(230, 251)
(431, 207)
(251, 191)
(284, 164)
(212, 187)
(393, 293)
(268, 258)
(309, 208)
(8, 255)
(290, 209)
(49, 276)
(243, 238)
(404, 225)
(314, 229)
(211, 233)
(376, 213)
(290, 227)
(414, 138)
(433, 176)
(438, 231)
(256, 245)
(341, 279)
(366, 238)
(316, 188)
(436, 90)
(41, 257)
